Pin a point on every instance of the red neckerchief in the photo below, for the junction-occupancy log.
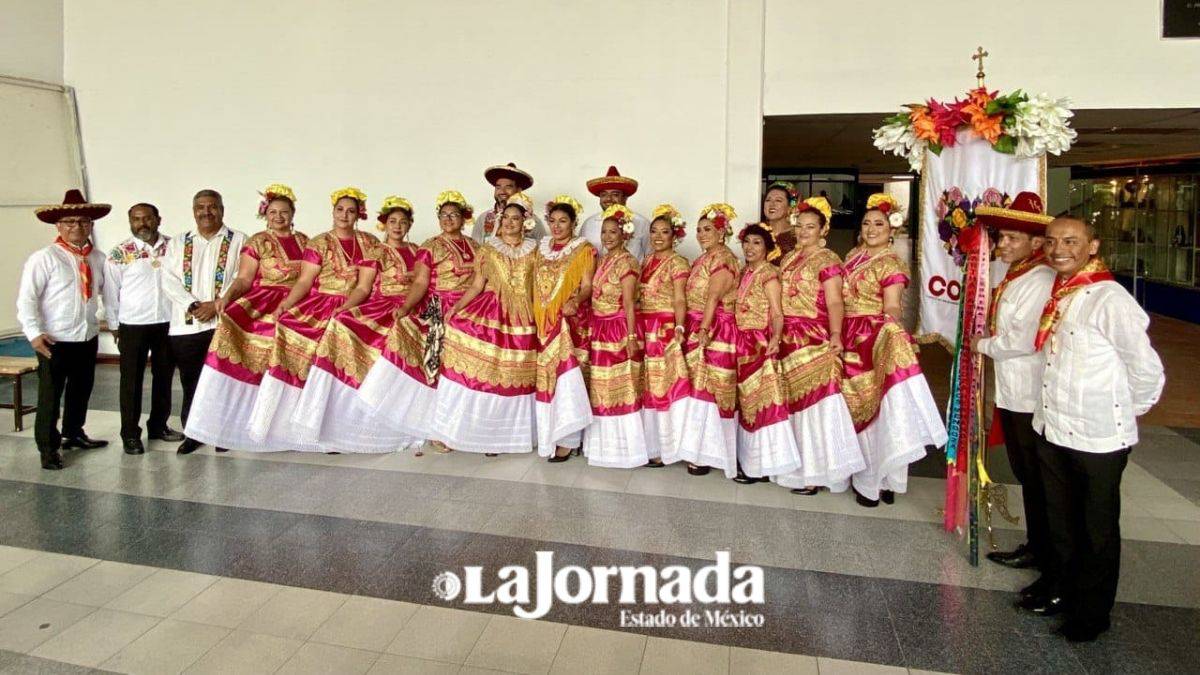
(1093, 271)
(1014, 271)
(81, 254)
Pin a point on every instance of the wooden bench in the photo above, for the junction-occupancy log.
(16, 367)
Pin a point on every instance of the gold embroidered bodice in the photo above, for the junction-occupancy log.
(396, 269)
(657, 291)
(556, 279)
(800, 275)
(510, 278)
(453, 263)
(866, 275)
(275, 266)
(703, 268)
(753, 311)
(340, 263)
(606, 286)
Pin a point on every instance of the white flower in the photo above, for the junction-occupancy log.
(1042, 125)
(529, 224)
(898, 139)
(896, 219)
(627, 227)
(711, 215)
(793, 219)
(677, 220)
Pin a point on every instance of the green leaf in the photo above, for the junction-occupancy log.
(898, 118)
(935, 148)
(1006, 144)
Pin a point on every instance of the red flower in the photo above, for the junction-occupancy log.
(947, 119)
(720, 221)
(884, 207)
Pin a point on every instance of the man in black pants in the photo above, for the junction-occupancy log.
(199, 265)
(1012, 324)
(56, 305)
(1100, 374)
(139, 314)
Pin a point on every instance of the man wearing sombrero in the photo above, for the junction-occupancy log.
(1012, 323)
(506, 180)
(56, 306)
(613, 188)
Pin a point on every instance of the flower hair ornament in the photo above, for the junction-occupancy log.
(888, 206)
(672, 215)
(721, 215)
(768, 238)
(271, 193)
(393, 203)
(818, 205)
(522, 200)
(454, 197)
(353, 193)
(622, 215)
(565, 200)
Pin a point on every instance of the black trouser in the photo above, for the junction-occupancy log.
(1021, 443)
(71, 369)
(189, 352)
(1083, 510)
(136, 343)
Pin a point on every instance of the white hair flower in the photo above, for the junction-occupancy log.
(529, 224)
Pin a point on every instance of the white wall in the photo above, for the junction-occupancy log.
(406, 98)
(31, 39)
(873, 55)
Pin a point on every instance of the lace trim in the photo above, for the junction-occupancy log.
(510, 251)
(550, 254)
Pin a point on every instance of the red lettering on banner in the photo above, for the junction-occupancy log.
(938, 286)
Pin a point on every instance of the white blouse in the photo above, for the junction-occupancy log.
(1018, 366)
(50, 299)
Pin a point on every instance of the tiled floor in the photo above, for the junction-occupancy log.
(312, 563)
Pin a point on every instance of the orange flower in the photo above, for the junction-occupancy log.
(987, 126)
(922, 124)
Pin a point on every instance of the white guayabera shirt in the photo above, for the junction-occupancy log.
(1018, 366)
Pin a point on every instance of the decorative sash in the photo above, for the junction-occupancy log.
(222, 257)
(1014, 271)
(81, 254)
(1093, 271)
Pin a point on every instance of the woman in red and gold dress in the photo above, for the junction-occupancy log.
(485, 392)
(562, 290)
(337, 274)
(616, 437)
(662, 313)
(710, 434)
(399, 387)
(765, 444)
(893, 411)
(241, 346)
(810, 358)
(329, 412)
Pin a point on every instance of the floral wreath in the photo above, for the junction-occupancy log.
(956, 213)
(623, 216)
(770, 234)
(788, 187)
(271, 193)
(393, 203)
(817, 204)
(566, 200)
(522, 200)
(1015, 124)
(673, 216)
(721, 215)
(888, 206)
(454, 197)
(353, 193)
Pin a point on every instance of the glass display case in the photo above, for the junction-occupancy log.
(1147, 223)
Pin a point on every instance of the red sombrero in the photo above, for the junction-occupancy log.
(494, 173)
(73, 204)
(1026, 214)
(613, 180)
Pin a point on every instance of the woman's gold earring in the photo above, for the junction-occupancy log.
(821, 242)
(891, 240)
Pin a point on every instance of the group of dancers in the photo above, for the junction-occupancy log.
(790, 367)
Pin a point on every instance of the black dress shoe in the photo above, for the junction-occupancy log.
(748, 480)
(1038, 588)
(188, 446)
(654, 464)
(1075, 630)
(806, 491)
(887, 496)
(52, 461)
(863, 501)
(83, 443)
(133, 446)
(1019, 559)
(1042, 605)
(222, 449)
(557, 458)
(165, 434)
(694, 470)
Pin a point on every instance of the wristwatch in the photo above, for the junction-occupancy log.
(193, 307)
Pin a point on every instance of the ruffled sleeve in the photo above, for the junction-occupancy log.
(678, 268)
(892, 271)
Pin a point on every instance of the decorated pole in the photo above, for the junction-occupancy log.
(975, 151)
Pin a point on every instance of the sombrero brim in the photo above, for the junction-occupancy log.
(52, 214)
(626, 185)
(523, 180)
(1010, 219)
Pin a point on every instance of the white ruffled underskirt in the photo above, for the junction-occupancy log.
(396, 400)
(220, 414)
(270, 426)
(330, 414)
(664, 431)
(616, 441)
(560, 422)
(709, 439)
(768, 451)
(907, 422)
(475, 421)
(829, 452)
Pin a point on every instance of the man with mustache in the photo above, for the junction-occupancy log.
(139, 316)
(199, 265)
(1100, 374)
